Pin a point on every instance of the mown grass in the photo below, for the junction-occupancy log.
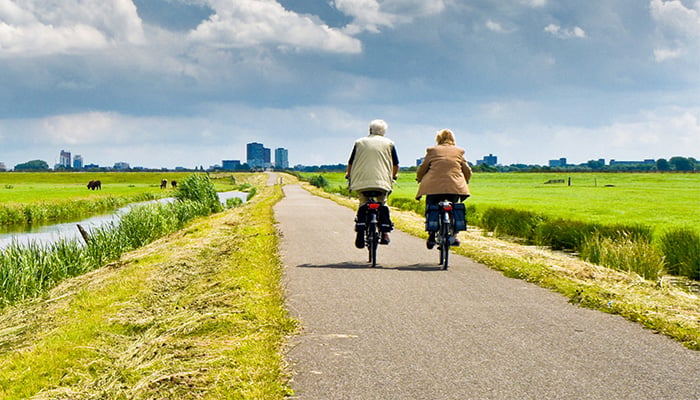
(196, 315)
(655, 304)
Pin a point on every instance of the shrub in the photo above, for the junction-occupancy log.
(681, 249)
(319, 181)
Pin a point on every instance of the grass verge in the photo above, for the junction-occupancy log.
(656, 305)
(198, 314)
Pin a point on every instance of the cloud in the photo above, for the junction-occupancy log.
(497, 27)
(250, 23)
(372, 15)
(563, 33)
(38, 28)
(678, 28)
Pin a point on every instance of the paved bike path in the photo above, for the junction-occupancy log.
(408, 330)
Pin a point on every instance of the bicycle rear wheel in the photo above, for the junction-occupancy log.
(444, 245)
(372, 239)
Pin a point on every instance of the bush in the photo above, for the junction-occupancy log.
(681, 249)
(319, 181)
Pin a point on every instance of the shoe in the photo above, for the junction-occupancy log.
(431, 241)
(360, 240)
(454, 241)
(385, 238)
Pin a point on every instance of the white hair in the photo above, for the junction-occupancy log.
(377, 127)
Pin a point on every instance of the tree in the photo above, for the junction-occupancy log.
(662, 165)
(681, 164)
(595, 164)
(34, 165)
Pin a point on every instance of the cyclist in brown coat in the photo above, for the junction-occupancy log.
(444, 174)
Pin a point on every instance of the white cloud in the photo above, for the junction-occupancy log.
(534, 3)
(495, 26)
(249, 23)
(36, 27)
(371, 15)
(564, 33)
(678, 27)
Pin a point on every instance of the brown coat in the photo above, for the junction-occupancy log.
(444, 171)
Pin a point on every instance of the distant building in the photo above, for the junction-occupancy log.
(281, 158)
(64, 159)
(558, 163)
(488, 160)
(230, 165)
(78, 162)
(121, 166)
(3, 168)
(255, 155)
(647, 161)
(91, 166)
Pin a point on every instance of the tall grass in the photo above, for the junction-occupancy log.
(28, 270)
(681, 249)
(61, 211)
(199, 188)
(624, 254)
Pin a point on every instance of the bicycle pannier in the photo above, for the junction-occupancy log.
(460, 215)
(432, 214)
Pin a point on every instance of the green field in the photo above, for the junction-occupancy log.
(31, 187)
(658, 200)
(38, 198)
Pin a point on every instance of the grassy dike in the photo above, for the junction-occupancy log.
(198, 314)
(660, 306)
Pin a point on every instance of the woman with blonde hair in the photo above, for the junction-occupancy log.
(444, 174)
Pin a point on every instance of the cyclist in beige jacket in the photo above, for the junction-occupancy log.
(373, 166)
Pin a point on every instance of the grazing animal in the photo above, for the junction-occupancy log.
(163, 183)
(173, 183)
(94, 185)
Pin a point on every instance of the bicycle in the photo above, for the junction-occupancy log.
(371, 225)
(445, 235)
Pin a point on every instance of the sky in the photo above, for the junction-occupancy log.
(168, 83)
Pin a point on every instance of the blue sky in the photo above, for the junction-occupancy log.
(165, 83)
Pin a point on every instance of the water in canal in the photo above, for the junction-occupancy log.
(69, 230)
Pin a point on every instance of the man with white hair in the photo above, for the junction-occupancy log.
(373, 166)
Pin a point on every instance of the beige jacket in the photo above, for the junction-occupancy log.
(372, 164)
(443, 171)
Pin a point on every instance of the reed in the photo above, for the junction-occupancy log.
(63, 210)
(681, 249)
(624, 254)
(199, 188)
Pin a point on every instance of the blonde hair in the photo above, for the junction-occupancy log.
(445, 136)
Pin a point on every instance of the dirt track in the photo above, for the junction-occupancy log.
(408, 330)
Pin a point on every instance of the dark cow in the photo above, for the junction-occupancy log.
(163, 183)
(94, 185)
(173, 184)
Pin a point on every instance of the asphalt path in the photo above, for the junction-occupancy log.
(408, 330)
